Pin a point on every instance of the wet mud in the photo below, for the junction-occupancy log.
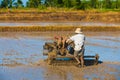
(21, 57)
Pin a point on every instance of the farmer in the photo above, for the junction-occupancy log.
(78, 40)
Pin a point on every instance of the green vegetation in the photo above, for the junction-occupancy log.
(57, 28)
(69, 4)
(11, 4)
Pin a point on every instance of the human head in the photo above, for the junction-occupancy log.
(78, 30)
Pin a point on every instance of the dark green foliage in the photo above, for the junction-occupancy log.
(74, 4)
(54, 3)
(51, 3)
(78, 4)
(4, 4)
(117, 4)
(94, 4)
(108, 4)
(18, 4)
(67, 3)
(60, 2)
(84, 4)
(33, 3)
(11, 3)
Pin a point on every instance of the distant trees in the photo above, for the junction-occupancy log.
(117, 4)
(94, 4)
(6, 3)
(78, 4)
(59, 3)
(84, 4)
(18, 4)
(48, 3)
(67, 3)
(33, 3)
(108, 4)
(75, 4)
(11, 3)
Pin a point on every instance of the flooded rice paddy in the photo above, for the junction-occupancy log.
(21, 58)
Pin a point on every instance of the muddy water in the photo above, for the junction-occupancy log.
(107, 47)
(13, 24)
(21, 59)
(20, 50)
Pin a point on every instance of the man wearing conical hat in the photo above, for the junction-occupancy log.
(78, 40)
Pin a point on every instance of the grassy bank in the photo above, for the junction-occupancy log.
(56, 28)
(52, 9)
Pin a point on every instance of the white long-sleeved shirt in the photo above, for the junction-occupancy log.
(78, 41)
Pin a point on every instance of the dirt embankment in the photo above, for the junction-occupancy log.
(56, 28)
(110, 17)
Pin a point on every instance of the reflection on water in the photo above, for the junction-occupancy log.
(13, 24)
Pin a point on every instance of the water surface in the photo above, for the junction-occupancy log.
(13, 24)
(28, 50)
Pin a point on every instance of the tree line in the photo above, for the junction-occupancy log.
(75, 4)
